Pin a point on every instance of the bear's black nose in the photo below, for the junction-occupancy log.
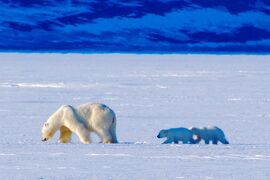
(45, 139)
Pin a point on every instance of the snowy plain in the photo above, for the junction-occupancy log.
(148, 93)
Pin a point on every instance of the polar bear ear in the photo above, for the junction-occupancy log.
(165, 132)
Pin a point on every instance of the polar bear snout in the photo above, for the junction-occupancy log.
(162, 134)
(44, 139)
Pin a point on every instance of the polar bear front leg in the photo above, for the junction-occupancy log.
(168, 141)
(175, 141)
(65, 135)
(206, 141)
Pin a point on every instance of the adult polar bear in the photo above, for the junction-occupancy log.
(86, 118)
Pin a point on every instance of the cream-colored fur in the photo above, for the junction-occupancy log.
(87, 118)
(65, 135)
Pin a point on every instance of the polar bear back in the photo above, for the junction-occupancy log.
(215, 131)
(94, 114)
(208, 132)
(180, 133)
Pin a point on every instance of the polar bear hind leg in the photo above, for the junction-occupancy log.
(106, 131)
(65, 135)
(215, 140)
(104, 135)
(113, 131)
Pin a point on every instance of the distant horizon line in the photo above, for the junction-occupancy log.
(134, 53)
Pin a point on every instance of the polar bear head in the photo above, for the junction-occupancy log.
(47, 131)
(52, 125)
(196, 133)
(163, 133)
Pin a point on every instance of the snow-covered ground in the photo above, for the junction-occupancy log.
(148, 93)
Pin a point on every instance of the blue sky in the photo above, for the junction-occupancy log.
(160, 26)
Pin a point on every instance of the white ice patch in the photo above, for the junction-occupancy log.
(234, 99)
(115, 155)
(161, 86)
(7, 154)
(33, 85)
(39, 85)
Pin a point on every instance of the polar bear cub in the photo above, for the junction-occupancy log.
(87, 118)
(208, 134)
(174, 135)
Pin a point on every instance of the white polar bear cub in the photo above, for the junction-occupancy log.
(175, 135)
(86, 118)
(208, 134)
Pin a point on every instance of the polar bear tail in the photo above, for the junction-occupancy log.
(113, 130)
